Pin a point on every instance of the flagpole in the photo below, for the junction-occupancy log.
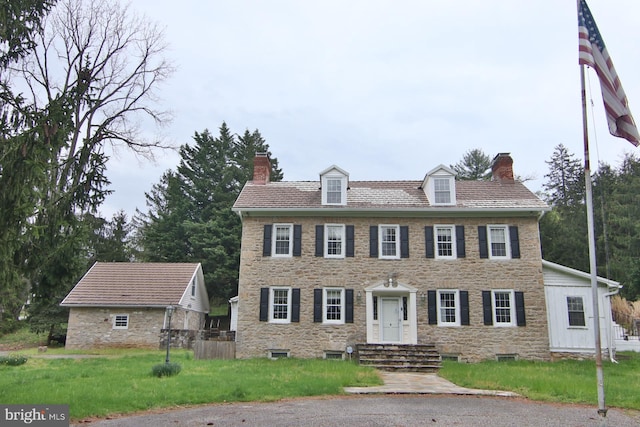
(602, 410)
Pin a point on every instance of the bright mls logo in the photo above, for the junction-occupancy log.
(34, 415)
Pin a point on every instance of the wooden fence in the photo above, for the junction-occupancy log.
(204, 349)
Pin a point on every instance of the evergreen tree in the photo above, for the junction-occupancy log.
(565, 180)
(190, 217)
(563, 231)
(474, 166)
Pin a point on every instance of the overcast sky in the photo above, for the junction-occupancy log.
(387, 90)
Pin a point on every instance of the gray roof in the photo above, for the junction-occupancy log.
(124, 284)
(388, 195)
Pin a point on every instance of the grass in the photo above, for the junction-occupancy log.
(566, 381)
(23, 337)
(111, 384)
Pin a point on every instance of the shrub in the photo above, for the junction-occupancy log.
(166, 369)
(13, 360)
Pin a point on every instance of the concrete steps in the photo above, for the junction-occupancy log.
(400, 357)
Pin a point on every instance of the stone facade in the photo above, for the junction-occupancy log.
(472, 273)
(93, 327)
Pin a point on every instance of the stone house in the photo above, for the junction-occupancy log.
(121, 304)
(330, 264)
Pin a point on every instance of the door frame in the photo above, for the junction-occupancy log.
(409, 328)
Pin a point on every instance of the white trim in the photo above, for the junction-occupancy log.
(324, 307)
(512, 308)
(409, 327)
(507, 241)
(397, 241)
(343, 240)
(271, 304)
(456, 301)
(452, 228)
(334, 173)
(274, 239)
(118, 318)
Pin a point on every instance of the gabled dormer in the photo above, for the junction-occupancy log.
(440, 186)
(334, 182)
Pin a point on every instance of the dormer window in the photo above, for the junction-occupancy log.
(442, 190)
(440, 187)
(334, 183)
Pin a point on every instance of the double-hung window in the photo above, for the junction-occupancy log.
(121, 321)
(498, 236)
(575, 307)
(503, 308)
(448, 308)
(280, 305)
(333, 305)
(442, 190)
(334, 191)
(282, 240)
(445, 241)
(389, 241)
(334, 245)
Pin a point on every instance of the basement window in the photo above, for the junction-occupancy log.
(334, 355)
(506, 357)
(279, 354)
(450, 357)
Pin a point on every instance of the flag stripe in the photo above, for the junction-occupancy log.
(593, 53)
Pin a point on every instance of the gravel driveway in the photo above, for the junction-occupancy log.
(381, 410)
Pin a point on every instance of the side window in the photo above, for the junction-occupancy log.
(498, 241)
(282, 240)
(575, 308)
(279, 305)
(121, 321)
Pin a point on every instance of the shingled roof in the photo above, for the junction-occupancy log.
(122, 284)
(388, 195)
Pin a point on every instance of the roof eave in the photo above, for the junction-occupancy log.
(398, 212)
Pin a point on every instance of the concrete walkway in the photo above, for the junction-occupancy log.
(419, 383)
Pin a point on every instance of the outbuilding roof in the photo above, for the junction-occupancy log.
(123, 284)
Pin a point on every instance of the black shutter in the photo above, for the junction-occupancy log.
(348, 306)
(350, 241)
(486, 308)
(297, 240)
(266, 241)
(482, 241)
(460, 249)
(319, 240)
(515, 241)
(264, 304)
(464, 308)
(428, 242)
(432, 307)
(404, 241)
(373, 241)
(295, 305)
(520, 317)
(317, 305)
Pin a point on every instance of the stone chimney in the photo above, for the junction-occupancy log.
(502, 168)
(261, 168)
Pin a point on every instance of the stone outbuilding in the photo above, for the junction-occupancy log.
(121, 304)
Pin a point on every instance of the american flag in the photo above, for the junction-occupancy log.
(594, 54)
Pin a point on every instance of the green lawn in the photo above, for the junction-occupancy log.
(112, 384)
(566, 381)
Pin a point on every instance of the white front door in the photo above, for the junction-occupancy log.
(390, 319)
